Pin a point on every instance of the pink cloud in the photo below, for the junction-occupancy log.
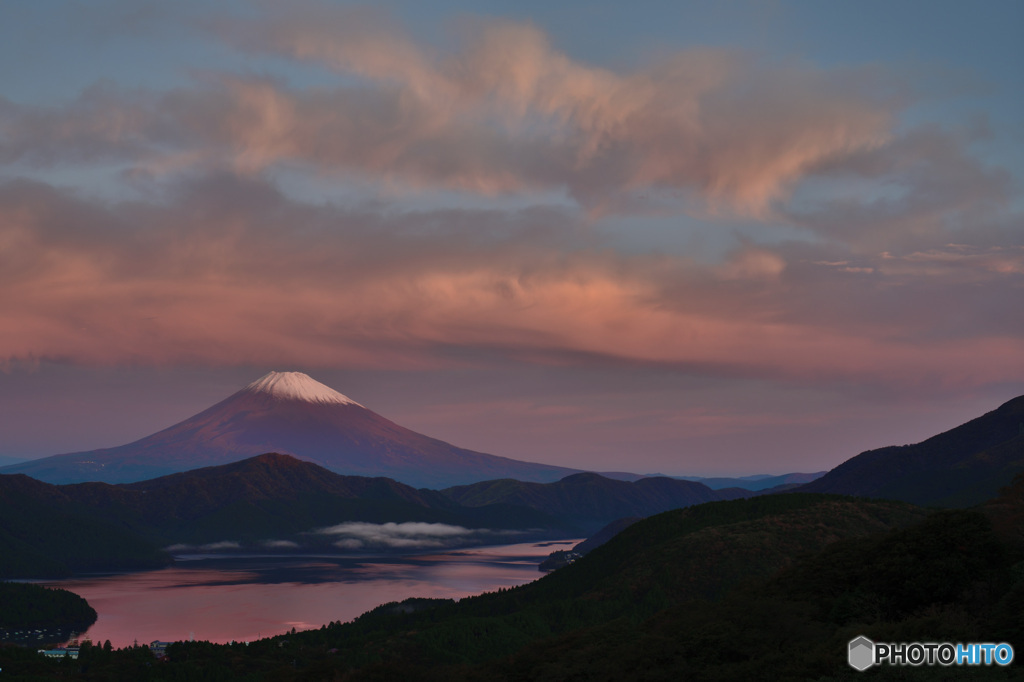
(709, 120)
(505, 112)
(235, 274)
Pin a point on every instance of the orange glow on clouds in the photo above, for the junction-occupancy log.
(218, 266)
(231, 291)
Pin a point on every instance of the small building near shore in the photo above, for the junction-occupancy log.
(159, 648)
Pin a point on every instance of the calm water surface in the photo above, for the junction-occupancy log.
(221, 599)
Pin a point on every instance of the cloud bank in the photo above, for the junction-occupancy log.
(233, 272)
(406, 535)
(504, 111)
(887, 254)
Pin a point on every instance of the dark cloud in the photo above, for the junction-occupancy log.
(925, 188)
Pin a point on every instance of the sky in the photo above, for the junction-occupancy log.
(692, 238)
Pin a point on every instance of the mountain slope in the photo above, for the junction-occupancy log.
(47, 533)
(947, 578)
(591, 500)
(267, 502)
(960, 467)
(290, 413)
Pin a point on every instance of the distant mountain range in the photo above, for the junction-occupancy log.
(291, 413)
(224, 495)
(591, 500)
(277, 503)
(267, 503)
(765, 587)
(961, 467)
(758, 482)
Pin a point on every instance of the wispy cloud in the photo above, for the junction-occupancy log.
(407, 535)
(960, 261)
(709, 120)
(506, 111)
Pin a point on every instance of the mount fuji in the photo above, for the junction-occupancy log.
(289, 413)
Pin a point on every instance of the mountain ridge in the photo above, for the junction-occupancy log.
(962, 466)
(591, 500)
(266, 502)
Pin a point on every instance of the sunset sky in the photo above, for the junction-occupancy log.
(697, 238)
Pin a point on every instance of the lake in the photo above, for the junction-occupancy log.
(223, 598)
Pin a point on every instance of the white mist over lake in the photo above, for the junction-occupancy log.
(221, 599)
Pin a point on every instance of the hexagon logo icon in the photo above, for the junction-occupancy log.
(862, 653)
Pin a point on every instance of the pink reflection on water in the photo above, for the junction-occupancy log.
(246, 598)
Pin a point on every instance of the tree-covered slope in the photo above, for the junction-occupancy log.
(24, 605)
(954, 577)
(45, 533)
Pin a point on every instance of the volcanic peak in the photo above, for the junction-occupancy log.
(298, 386)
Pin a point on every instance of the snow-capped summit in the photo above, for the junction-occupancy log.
(298, 386)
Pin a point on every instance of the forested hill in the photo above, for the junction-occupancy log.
(44, 533)
(24, 605)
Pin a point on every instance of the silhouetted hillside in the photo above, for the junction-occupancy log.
(562, 557)
(961, 467)
(24, 605)
(605, 534)
(948, 578)
(45, 532)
